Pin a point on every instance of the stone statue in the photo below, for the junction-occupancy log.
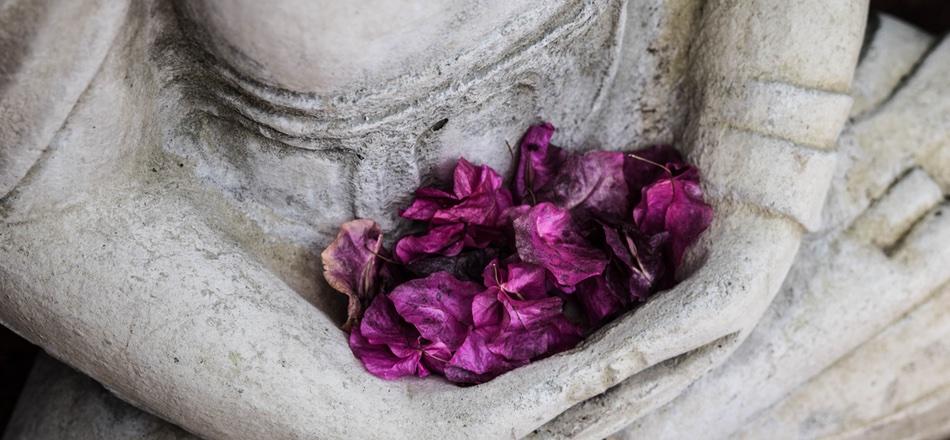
(170, 171)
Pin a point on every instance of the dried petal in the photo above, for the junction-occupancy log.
(379, 360)
(592, 184)
(426, 203)
(675, 205)
(350, 264)
(638, 261)
(470, 179)
(525, 280)
(385, 344)
(440, 240)
(547, 236)
(475, 363)
(543, 339)
(645, 166)
(538, 162)
(600, 299)
(439, 306)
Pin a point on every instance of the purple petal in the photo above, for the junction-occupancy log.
(645, 166)
(470, 179)
(379, 360)
(547, 236)
(484, 208)
(594, 184)
(426, 203)
(439, 306)
(538, 162)
(440, 240)
(435, 356)
(600, 299)
(528, 281)
(674, 205)
(381, 324)
(638, 261)
(550, 337)
(475, 363)
(385, 344)
(350, 264)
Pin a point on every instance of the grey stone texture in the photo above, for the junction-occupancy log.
(163, 237)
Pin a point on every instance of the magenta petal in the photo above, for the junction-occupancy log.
(471, 179)
(550, 337)
(538, 162)
(485, 209)
(528, 281)
(527, 314)
(439, 306)
(645, 166)
(593, 183)
(674, 205)
(350, 264)
(385, 344)
(426, 203)
(381, 324)
(379, 360)
(475, 363)
(600, 299)
(547, 236)
(435, 356)
(440, 240)
(487, 311)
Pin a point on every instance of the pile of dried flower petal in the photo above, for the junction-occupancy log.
(502, 277)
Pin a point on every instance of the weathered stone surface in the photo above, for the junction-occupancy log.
(167, 242)
(837, 336)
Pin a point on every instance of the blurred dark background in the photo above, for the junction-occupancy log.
(16, 354)
(930, 15)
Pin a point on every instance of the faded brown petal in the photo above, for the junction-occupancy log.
(351, 266)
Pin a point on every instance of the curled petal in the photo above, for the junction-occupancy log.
(475, 363)
(350, 264)
(538, 162)
(550, 337)
(471, 179)
(427, 202)
(547, 236)
(440, 240)
(647, 165)
(379, 360)
(593, 184)
(386, 345)
(439, 306)
(674, 205)
(525, 280)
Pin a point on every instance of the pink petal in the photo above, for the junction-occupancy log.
(643, 167)
(470, 179)
(379, 360)
(439, 306)
(350, 264)
(528, 281)
(538, 162)
(600, 299)
(385, 344)
(440, 240)
(547, 338)
(475, 363)
(547, 236)
(674, 205)
(426, 203)
(593, 184)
